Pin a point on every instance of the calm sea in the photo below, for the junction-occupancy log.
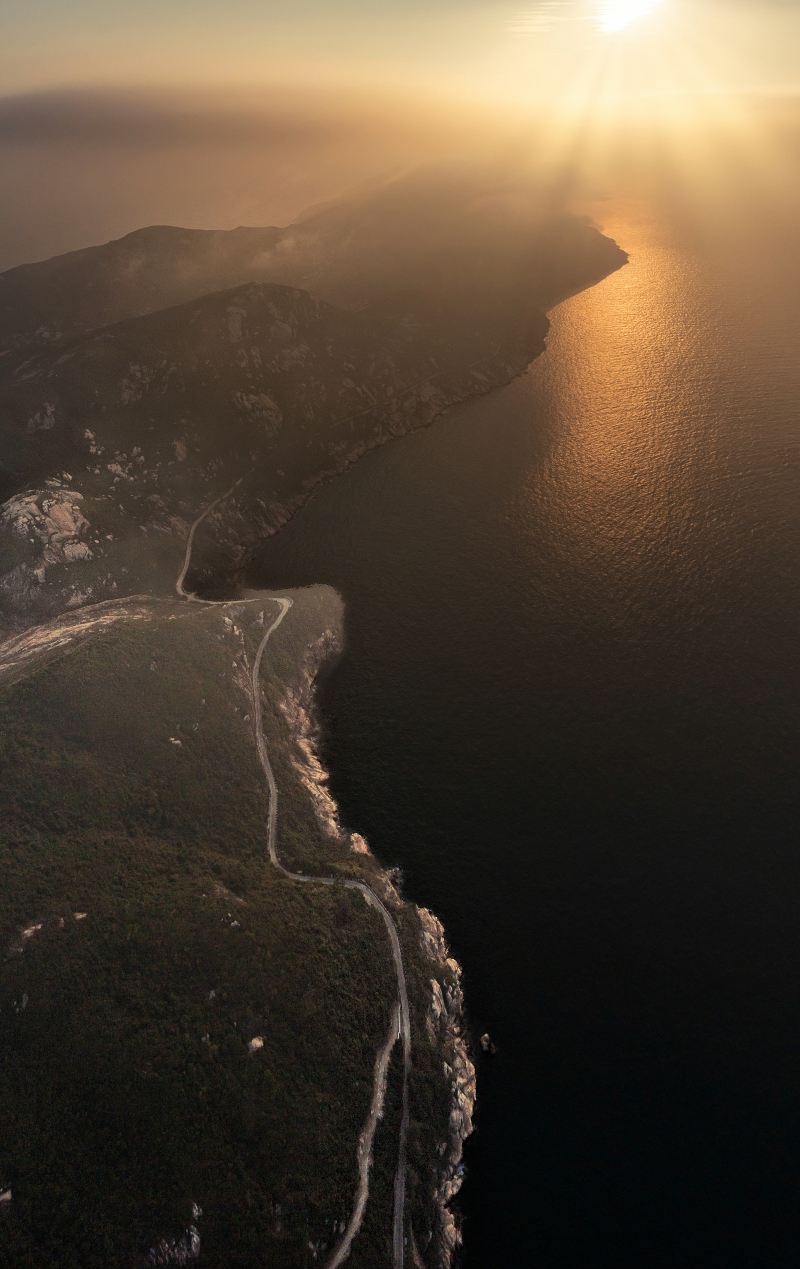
(569, 711)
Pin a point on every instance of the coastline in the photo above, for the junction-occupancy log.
(248, 519)
(244, 511)
(444, 1023)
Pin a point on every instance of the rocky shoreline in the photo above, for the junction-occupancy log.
(444, 1021)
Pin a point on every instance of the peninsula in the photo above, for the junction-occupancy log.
(226, 1037)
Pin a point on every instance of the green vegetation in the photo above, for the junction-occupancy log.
(127, 1090)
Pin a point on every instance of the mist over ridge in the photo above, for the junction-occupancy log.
(80, 167)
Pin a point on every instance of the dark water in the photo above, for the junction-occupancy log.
(568, 709)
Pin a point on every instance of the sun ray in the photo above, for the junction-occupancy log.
(618, 15)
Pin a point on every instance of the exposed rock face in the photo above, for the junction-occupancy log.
(177, 1251)
(43, 528)
(51, 520)
(296, 707)
(446, 1021)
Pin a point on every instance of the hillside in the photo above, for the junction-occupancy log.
(42, 304)
(182, 1028)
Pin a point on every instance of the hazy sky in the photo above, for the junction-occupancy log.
(485, 48)
(118, 113)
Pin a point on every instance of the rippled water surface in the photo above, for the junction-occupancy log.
(568, 710)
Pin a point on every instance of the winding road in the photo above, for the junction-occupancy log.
(400, 1028)
(348, 883)
(187, 558)
(365, 1141)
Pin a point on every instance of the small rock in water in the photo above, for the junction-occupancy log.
(487, 1044)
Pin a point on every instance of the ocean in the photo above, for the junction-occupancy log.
(568, 711)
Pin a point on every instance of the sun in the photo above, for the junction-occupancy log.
(618, 15)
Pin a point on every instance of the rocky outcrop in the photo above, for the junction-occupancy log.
(296, 708)
(52, 521)
(41, 529)
(184, 1250)
(446, 1028)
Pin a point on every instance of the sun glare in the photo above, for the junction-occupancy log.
(618, 15)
